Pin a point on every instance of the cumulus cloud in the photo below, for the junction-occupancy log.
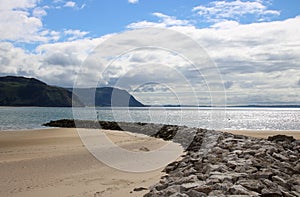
(253, 59)
(39, 12)
(164, 21)
(70, 4)
(75, 34)
(23, 22)
(259, 62)
(18, 23)
(133, 1)
(234, 10)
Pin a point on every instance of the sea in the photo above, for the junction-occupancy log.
(22, 118)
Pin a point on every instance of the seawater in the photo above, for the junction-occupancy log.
(15, 118)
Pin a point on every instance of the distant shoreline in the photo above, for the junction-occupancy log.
(170, 106)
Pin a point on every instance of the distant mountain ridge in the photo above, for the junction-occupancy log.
(22, 91)
(106, 97)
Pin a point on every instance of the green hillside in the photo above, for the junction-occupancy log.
(106, 97)
(21, 91)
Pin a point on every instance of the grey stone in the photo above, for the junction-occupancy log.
(238, 189)
(270, 192)
(204, 189)
(161, 187)
(280, 181)
(232, 177)
(194, 193)
(217, 193)
(253, 185)
(262, 175)
(280, 157)
(295, 193)
(188, 186)
(177, 194)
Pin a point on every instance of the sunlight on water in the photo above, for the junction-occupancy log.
(234, 118)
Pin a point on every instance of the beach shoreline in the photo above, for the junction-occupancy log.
(55, 161)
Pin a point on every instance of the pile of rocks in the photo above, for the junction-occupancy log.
(223, 164)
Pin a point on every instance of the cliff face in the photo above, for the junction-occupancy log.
(21, 91)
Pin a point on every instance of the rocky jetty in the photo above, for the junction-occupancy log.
(234, 165)
(217, 163)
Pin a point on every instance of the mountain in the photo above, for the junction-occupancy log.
(106, 97)
(21, 91)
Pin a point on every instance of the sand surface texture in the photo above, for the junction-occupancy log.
(54, 162)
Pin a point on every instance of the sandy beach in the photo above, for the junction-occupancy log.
(54, 162)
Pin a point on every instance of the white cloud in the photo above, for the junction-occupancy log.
(75, 34)
(39, 12)
(22, 21)
(133, 1)
(217, 11)
(18, 22)
(259, 62)
(70, 4)
(164, 21)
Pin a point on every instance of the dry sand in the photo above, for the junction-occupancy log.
(54, 162)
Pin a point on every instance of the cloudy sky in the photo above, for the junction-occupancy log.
(251, 47)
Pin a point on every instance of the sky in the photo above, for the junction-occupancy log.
(253, 48)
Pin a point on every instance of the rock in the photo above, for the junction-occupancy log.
(189, 179)
(144, 148)
(224, 186)
(232, 177)
(280, 157)
(233, 166)
(161, 187)
(204, 189)
(178, 194)
(137, 189)
(269, 184)
(253, 185)
(171, 167)
(173, 189)
(281, 138)
(280, 181)
(194, 193)
(293, 158)
(218, 193)
(262, 175)
(296, 188)
(295, 193)
(167, 132)
(188, 186)
(267, 192)
(297, 168)
(240, 190)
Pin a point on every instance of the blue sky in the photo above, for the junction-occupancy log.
(255, 44)
(104, 17)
